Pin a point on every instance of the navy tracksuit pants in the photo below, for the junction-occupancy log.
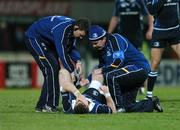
(123, 84)
(47, 59)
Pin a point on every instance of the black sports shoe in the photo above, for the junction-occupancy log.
(50, 109)
(47, 109)
(157, 105)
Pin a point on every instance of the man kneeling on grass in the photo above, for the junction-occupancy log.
(95, 100)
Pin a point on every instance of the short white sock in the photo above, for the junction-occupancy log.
(95, 84)
(149, 93)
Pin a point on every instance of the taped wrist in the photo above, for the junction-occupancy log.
(77, 93)
(107, 95)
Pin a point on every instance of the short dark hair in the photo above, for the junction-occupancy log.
(83, 24)
(80, 108)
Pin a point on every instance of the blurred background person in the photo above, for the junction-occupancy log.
(166, 33)
(127, 20)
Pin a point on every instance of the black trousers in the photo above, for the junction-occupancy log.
(130, 104)
(123, 84)
(47, 60)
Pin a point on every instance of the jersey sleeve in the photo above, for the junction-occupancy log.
(67, 100)
(60, 37)
(118, 48)
(154, 6)
(103, 109)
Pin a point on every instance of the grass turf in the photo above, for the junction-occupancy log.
(17, 113)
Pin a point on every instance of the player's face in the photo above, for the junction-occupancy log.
(79, 33)
(99, 44)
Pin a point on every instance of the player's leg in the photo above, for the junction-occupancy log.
(176, 48)
(146, 105)
(35, 53)
(50, 90)
(52, 68)
(156, 54)
(113, 89)
(124, 79)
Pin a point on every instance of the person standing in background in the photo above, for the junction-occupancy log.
(128, 16)
(166, 32)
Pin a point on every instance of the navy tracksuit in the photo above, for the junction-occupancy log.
(97, 102)
(125, 69)
(48, 40)
(131, 14)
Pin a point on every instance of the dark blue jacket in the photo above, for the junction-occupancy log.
(119, 52)
(58, 30)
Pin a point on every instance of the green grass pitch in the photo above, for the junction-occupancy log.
(17, 113)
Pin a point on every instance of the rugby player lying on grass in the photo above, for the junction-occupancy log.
(95, 100)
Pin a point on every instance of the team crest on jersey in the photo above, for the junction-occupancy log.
(95, 93)
(156, 44)
(108, 53)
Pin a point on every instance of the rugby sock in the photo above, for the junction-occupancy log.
(152, 77)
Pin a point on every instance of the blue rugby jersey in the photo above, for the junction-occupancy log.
(95, 107)
(166, 14)
(58, 30)
(119, 52)
(129, 11)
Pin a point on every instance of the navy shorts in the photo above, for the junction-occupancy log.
(164, 39)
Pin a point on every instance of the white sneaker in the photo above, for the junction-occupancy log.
(121, 110)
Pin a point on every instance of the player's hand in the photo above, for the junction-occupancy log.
(105, 89)
(82, 99)
(84, 82)
(73, 77)
(149, 35)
